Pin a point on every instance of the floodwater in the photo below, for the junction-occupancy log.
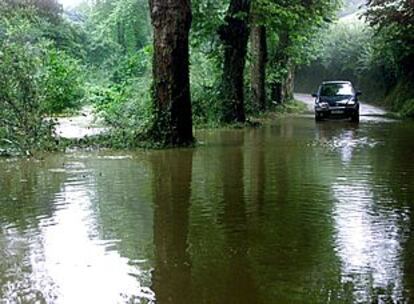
(293, 212)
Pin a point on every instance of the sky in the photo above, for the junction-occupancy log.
(70, 3)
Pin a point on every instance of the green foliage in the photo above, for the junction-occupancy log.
(293, 29)
(401, 99)
(124, 101)
(294, 25)
(127, 109)
(395, 19)
(36, 79)
(134, 65)
(47, 9)
(205, 90)
(22, 123)
(62, 84)
(408, 108)
(116, 28)
(206, 61)
(291, 107)
(353, 50)
(347, 48)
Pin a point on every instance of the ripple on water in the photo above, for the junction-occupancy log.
(369, 239)
(255, 217)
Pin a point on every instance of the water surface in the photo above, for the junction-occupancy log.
(294, 212)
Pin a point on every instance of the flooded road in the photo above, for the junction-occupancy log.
(294, 212)
(84, 124)
(366, 109)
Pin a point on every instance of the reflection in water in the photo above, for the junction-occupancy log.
(172, 191)
(368, 241)
(257, 169)
(84, 269)
(62, 260)
(237, 275)
(251, 216)
(345, 140)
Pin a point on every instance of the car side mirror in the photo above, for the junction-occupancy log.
(315, 95)
(358, 93)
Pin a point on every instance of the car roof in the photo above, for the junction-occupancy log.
(337, 82)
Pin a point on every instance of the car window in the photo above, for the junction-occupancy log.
(336, 89)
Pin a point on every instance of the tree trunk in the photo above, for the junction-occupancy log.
(234, 35)
(289, 83)
(277, 92)
(171, 20)
(258, 67)
(282, 91)
(280, 61)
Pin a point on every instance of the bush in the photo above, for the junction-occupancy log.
(21, 119)
(62, 83)
(126, 108)
(205, 89)
(401, 98)
(36, 79)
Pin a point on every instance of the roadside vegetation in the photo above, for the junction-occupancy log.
(372, 47)
(221, 63)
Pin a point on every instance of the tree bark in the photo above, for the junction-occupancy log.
(258, 67)
(289, 83)
(171, 20)
(277, 92)
(282, 91)
(280, 61)
(234, 34)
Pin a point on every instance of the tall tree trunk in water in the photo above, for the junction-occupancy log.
(234, 35)
(258, 67)
(171, 20)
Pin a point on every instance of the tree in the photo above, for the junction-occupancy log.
(50, 9)
(295, 24)
(395, 20)
(234, 35)
(258, 65)
(172, 102)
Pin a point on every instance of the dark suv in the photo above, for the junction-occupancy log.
(336, 99)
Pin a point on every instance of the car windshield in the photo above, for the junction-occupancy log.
(336, 89)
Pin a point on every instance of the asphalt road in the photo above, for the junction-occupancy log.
(366, 109)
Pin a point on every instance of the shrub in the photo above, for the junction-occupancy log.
(21, 119)
(36, 79)
(62, 83)
(126, 108)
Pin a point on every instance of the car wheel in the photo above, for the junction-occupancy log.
(355, 117)
(318, 117)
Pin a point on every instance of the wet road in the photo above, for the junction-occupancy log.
(366, 109)
(294, 212)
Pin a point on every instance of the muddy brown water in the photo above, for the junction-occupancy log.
(294, 212)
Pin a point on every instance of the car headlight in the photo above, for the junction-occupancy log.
(351, 102)
(323, 104)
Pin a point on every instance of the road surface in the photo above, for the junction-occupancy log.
(366, 109)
